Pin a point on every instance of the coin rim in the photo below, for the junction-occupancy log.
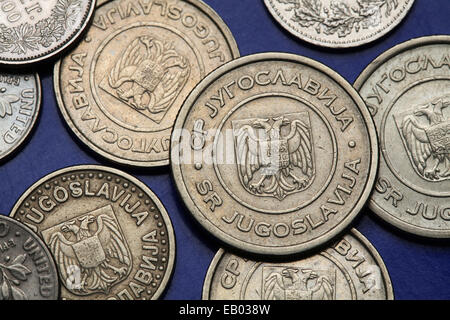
(137, 182)
(59, 49)
(232, 46)
(207, 283)
(34, 119)
(292, 58)
(359, 82)
(44, 247)
(339, 45)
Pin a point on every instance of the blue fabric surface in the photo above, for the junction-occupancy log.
(419, 268)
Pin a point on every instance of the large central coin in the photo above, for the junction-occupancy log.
(121, 88)
(274, 153)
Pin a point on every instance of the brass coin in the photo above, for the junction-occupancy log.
(274, 153)
(110, 235)
(27, 269)
(33, 31)
(407, 90)
(350, 269)
(121, 88)
(20, 101)
(339, 23)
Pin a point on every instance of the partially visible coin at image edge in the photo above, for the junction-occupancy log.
(110, 235)
(350, 269)
(20, 102)
(27, 269)
(33, 31)
(407, 90)
(274, 153)
(339, 24)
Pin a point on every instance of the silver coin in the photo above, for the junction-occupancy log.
(111, 236)
(341, 23)
(274, 153)
(407, 90)
(20, 100)
(27, 269)
(32, 31)
(350, 269)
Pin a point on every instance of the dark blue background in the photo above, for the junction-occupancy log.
(419, 268)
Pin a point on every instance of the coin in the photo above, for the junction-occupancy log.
(407, 90)
(20, 100)
(27, 269)
(274, 153)
(121, 88)
(110, 235)
(32, 31)
(350, 269)
(339, 24)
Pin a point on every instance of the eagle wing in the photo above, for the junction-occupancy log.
(5, 104)
(63, 254)
(417, 142)
(271, 282)
(248, 152)
(133, 55)
(300, 147)
(112, 240)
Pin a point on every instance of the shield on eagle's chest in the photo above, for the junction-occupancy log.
(148, 75)
(89, 252)
(439, 136)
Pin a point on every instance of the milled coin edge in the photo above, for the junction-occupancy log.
(232, 46)
(170, 230)
(46, 250)
(337, 45)
(359, 82)
(207, 283)
(258, 249)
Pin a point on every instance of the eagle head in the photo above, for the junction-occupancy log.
(70, 226)
(147, 41)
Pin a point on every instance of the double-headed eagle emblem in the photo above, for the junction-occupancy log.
(93, 247)
(275, 156)
(428, 145)
(148, 76)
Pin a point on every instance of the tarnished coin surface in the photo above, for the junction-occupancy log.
(27, 269)
(122, 87)
(407, 90)
(20, 101)
(110, 235)
(32, 31)
(274, 153)
(341, 23)
(350, 269)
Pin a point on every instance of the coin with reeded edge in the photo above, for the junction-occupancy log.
(110, 235)
(341, 23)
(27, 269)
(20, 101)
(122, 87)
(350, 269)
(274, 153)
(407, 90)
(33, 31)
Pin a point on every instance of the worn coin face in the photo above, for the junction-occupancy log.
(407, 90)
(20, 100)
(121, 88)
(27, 269)
(274, 153)
(341, 23)
(110, 235)
(31, 31)
(350, 269)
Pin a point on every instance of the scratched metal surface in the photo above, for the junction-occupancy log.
(418, 267)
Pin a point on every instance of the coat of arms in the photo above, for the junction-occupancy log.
(427, 144)
(275, 156)
(93, 246)
(148, 76)
(288, 283)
